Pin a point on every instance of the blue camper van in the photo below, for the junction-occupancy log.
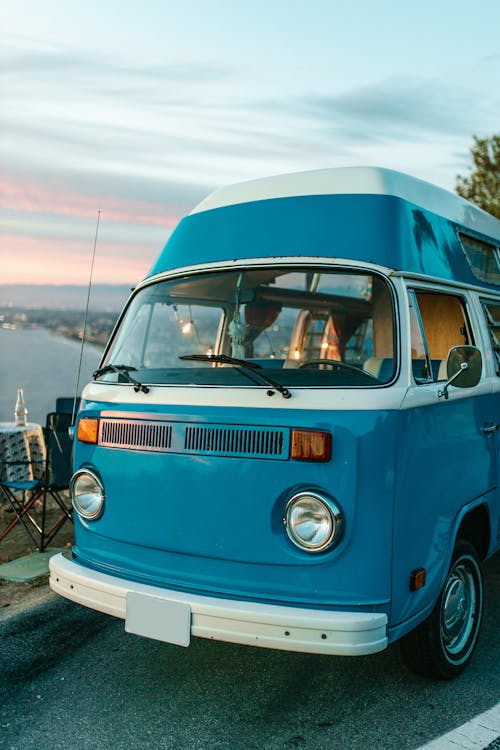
(292, 439)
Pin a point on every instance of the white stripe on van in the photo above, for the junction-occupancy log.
(250, 397)
(389, 398)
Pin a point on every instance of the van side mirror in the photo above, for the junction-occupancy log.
(463, 368)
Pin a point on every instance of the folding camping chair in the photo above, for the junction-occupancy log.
(65, 404)
(25, 497)
(58, 471)
(20, 497)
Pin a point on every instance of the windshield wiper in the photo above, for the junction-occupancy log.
(243, 366)
(123, 370)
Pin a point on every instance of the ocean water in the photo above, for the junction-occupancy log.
(45, 366)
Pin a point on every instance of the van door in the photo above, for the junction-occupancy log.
(444, 459)
(491, 311)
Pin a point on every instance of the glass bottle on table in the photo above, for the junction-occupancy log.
(20, 410)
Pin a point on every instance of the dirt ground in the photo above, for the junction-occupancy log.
(15, 596)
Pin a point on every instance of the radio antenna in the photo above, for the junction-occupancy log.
(85, 320)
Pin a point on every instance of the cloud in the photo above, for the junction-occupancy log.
(400, 109)
(48, 221)
(22, 58)
(33, 260)
(173, 123)
(144, 143)
(72, 193)
(494, 58)
(397, 108)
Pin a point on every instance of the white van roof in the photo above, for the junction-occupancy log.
(360, 181)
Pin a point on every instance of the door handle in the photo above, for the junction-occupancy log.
(487, 428)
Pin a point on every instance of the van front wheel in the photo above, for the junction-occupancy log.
(442, 645)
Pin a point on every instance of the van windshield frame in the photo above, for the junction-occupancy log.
(302, 326)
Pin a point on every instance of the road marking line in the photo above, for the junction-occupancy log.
(477, 734)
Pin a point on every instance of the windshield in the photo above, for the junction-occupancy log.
(301, 326)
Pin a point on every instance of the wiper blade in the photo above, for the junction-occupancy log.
(222, 358)
(244, 366)
(123, 370)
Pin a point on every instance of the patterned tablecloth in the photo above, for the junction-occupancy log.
(21, 444)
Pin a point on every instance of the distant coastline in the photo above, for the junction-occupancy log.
(64, 323)
(59, 309)
(107, 297)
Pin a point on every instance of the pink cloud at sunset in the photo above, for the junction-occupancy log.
(54, 261)
(58, 199)
(48, 228)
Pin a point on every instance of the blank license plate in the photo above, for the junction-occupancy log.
(157, 618)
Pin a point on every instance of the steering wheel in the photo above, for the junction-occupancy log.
(335, 363)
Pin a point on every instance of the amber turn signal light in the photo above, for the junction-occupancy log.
(311, 445)
(417, 579)
(88, 430)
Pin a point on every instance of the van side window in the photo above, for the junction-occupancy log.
(442, 323)
(492, 314)
(484, 259)
(419, 354)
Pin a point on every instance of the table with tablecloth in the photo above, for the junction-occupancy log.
(22, 452)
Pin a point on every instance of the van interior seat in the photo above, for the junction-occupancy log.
(380, 367)
(438, 366)
(443, 370)
(276, 363)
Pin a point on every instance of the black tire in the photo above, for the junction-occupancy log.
(442, 645)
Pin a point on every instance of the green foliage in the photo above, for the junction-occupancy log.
(482, 187)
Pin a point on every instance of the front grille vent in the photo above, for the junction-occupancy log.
(186, 438)
(235, 441)
(130, 433)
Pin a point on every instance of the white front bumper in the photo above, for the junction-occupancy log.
(250, 623)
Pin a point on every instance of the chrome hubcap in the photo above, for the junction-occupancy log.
(458, 609)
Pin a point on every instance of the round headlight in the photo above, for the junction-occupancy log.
(87, 494)
(313, 521)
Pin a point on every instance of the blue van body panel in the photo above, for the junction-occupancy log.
(444, 462)
(190, 521)
(377, 229)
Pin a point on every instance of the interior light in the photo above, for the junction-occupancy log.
(311, 445)
(88, 430)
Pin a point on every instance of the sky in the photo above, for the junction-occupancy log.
(137, 109)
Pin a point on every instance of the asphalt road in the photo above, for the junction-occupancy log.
(73, 679)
